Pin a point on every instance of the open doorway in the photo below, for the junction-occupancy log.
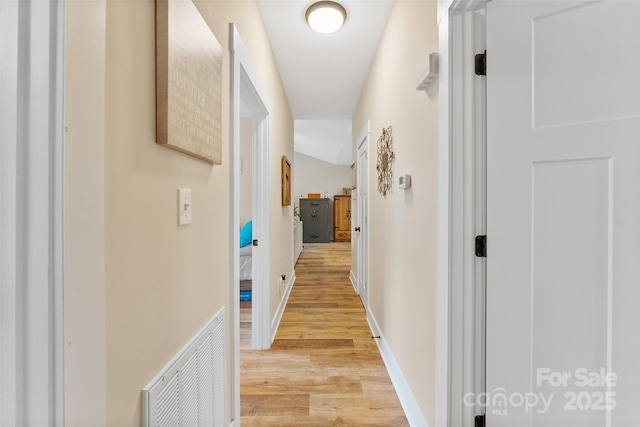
(248, 96)
(246, 256)
(258, 117)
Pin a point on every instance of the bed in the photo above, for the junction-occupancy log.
(245, 262)
(246, 253)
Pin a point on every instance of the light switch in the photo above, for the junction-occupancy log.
(184, 206)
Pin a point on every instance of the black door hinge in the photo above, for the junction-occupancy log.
(481, 64)
(479, 421)
(255, 242)
(481, 246)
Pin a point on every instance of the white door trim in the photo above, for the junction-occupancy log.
(246, 86)
(458, 370)
(362, 143)
(31, 213)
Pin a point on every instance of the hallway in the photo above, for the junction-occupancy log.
(323, 369)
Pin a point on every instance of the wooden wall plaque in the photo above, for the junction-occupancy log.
(188, 82)
(286, 181)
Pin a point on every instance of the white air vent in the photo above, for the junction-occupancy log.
(190, 390)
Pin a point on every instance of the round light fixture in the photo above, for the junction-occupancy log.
(325, 16)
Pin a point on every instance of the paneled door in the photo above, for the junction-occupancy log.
(563, 213)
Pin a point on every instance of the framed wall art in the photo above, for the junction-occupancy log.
(286, 181)
(188, 82)
(385, 161)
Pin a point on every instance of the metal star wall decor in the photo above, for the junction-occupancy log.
(385, 157)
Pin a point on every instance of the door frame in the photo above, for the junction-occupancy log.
(31, 213)
(461, 210)
(363, 143)
(246, 87)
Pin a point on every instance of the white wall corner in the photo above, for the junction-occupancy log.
(283, 303)
(408, 401)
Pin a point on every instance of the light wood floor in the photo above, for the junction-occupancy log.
(245, 317)
(245, 324)
(323, 369)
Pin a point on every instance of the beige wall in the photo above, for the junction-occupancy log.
(136, 277)
(403, 226)
(311, 175)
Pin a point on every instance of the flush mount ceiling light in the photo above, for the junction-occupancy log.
(325, 16)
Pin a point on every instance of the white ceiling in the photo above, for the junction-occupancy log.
(323, 74)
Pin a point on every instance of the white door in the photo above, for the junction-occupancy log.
(563, 213)
(363, 220)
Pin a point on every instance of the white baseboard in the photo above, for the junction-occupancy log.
(283, 303)
(354, 281)
(407, 400)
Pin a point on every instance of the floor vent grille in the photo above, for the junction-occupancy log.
(190, 390)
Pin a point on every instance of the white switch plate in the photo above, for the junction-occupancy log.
(184, 206)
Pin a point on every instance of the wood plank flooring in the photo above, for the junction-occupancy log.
(323, 369)
(245, 324)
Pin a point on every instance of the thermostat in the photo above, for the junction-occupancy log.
(404, 181)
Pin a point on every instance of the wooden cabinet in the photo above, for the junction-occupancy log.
(342, 218)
